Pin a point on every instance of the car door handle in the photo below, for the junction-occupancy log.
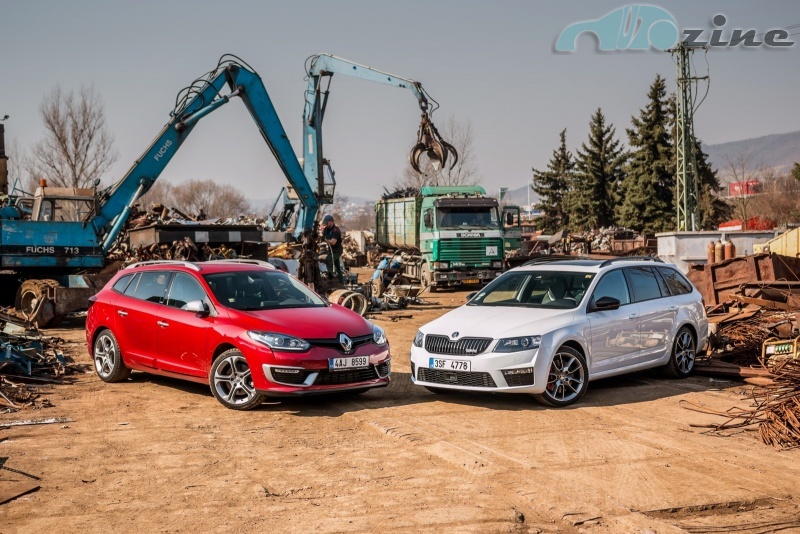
(122, 313)
(633, 316)
(162, 324)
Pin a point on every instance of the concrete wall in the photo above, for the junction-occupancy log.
(684, 248)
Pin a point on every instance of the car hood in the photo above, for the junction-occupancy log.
(307, 323)
(499, 321)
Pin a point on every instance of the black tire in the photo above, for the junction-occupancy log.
(567, 379)
(108, 363)
(427, 279)
(683, 357)
(438, 391)
(232, 383)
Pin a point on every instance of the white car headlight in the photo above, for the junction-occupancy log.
(378, 335)
(516, 344)
(419, 338)
(279, 341)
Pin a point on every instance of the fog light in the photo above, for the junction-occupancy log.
(518, 377)
(497, 264)
(288, 375)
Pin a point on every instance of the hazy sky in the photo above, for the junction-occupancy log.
(491, 63)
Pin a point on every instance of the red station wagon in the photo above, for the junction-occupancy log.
(241, 326)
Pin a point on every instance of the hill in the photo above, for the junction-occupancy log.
(778, 151)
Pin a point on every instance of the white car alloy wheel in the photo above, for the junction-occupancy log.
(684, 352)
(566, 381)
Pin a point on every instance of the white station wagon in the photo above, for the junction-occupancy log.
(550, 327)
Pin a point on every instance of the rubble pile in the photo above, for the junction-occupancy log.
(27, 357)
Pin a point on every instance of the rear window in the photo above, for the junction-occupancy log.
(677, 284)
(122, 283)
(643, 283)
(132, 286)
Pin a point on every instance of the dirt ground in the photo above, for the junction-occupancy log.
(160, 455)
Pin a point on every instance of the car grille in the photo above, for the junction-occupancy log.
(469, 250)
(469, 346)
(456, 378)
(329, 378)
(334, 343)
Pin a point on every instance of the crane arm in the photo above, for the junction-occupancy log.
(323, 66)
(201, 98)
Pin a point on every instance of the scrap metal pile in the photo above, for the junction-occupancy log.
(775, 409)
(612, 240)
(27, 357)
(184, 248)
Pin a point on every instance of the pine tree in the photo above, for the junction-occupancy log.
(599, 171)
(648, 203)
(552, 186)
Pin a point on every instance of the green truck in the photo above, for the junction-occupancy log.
(456, 230)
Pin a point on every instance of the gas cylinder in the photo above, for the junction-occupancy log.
(730, 250)
(710, 257)
(719, 251)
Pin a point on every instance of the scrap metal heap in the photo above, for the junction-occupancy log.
(753, 302)
(27, 360)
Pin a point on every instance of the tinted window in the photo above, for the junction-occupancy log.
(677, 284)
(132, 286)
(643, 283)
(184, 289)
(152, 285)
(122, 283)
(613, 285)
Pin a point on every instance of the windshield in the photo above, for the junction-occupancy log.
(261, 290)
(535, 289)
(485, 217)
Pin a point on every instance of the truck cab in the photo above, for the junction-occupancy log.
(512, 230)
(456, 229)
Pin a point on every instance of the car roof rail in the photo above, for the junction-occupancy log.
(190, 265)
(631, 258)
(553, 257)
(248, 261)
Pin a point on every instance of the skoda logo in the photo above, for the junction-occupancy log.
(345, 342)
(454, 335)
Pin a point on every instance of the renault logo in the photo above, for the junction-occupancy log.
(454, 335)
(345, 342)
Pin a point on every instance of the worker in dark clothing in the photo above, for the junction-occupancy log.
(333, 236)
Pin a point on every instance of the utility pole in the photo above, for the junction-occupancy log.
(687, 194)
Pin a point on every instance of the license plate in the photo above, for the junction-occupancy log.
(450, 365)
(471, 281)
(355, 362)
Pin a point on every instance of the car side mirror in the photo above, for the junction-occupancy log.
(509, 219)
(470, 296)
(605, 304)
(428, 218)
(198, 307)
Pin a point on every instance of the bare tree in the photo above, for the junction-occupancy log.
(210, 198)
(741, 168)
(160, 193)
(466, 170)
(18, 176)
(77, 148)
(780, 199)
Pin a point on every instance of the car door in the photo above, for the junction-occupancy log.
(656, 313)
(181, 335)
(613, 333)
(137, 312)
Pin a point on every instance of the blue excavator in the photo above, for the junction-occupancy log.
(50, 241)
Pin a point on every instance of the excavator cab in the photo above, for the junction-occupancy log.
(63, 203)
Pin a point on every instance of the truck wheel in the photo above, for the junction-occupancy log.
(427, 279)
(32, 301)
